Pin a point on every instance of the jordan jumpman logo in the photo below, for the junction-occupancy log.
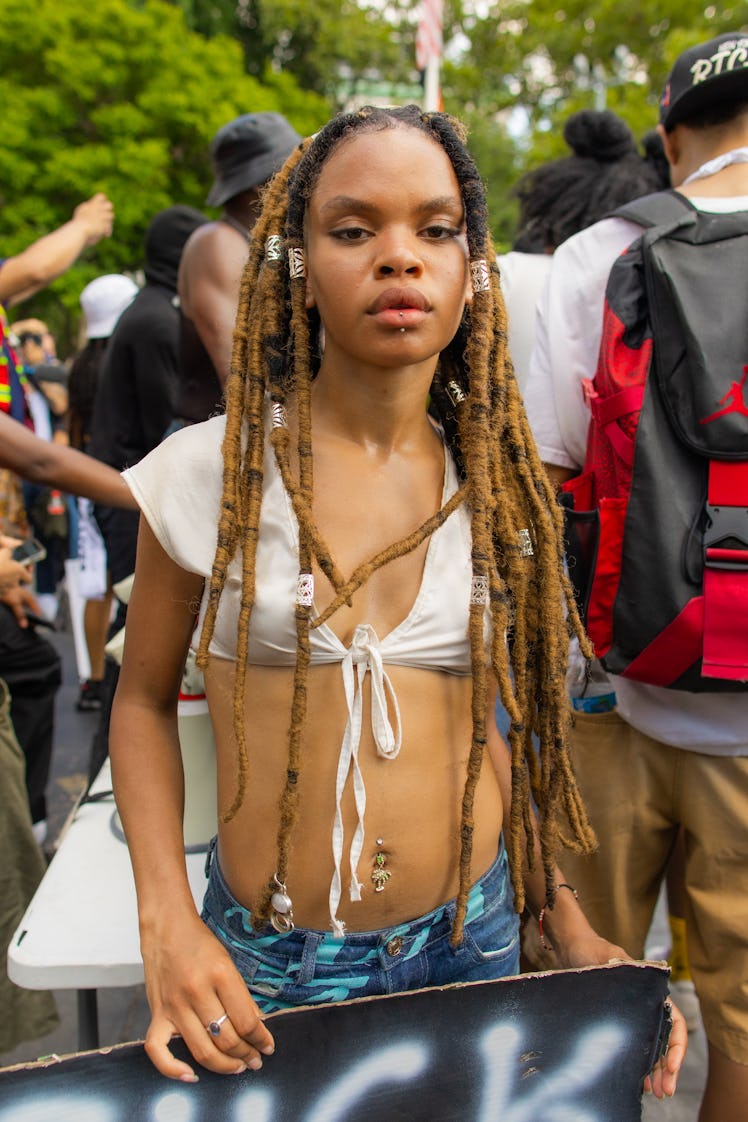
(735, 396)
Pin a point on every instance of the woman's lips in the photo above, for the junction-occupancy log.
(400, 307)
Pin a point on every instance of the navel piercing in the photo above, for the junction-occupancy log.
(296, 264)
(480, 275)
(274, 248)
(279, 417)
(280, 902)
(479, 589)
(402, 330)
(379, 874)
(305, 590)
(455, 392)
(525, 543)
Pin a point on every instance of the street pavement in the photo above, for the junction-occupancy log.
(123, 1012)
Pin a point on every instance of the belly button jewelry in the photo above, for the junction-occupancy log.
(379, 874)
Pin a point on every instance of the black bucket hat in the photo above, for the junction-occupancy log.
(247, 151)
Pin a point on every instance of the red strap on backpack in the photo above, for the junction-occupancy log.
(714, 626)
(607, 411)
(725, 652)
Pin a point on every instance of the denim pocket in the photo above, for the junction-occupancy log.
(491, 938)
(260, 969)
(262, 976)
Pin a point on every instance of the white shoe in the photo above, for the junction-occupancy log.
(683, 994)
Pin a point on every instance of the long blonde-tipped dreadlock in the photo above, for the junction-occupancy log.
(475, 398)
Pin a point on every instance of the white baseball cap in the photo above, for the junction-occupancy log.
(103, 301)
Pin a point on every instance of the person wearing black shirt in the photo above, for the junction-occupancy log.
(134, 403)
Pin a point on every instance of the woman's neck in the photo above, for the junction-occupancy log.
(382, 409)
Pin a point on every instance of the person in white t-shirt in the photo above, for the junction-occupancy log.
(557, 199)
(663, 760)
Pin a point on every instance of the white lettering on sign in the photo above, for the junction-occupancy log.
(401, 1062)
(174, 1106)
(557, 1097)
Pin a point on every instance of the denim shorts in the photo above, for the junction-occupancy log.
(308, 967)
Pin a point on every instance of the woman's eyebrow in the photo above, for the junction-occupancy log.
(451, 203)
(345, 203)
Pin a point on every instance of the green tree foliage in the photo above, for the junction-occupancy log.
(526, 65)
(328, 46)
(117, 97)
(124, 95)
(555, 56)
(350, 52)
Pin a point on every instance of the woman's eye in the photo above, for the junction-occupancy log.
(350, 234)
(440, 233)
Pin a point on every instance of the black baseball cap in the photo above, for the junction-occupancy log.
(705, 76)
(247, 151)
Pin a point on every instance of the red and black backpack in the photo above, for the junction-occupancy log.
(657, 523)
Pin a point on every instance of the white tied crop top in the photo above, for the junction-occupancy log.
(178, 488)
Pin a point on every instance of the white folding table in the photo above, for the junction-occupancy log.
(80, 930)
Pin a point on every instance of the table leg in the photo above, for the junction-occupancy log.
(88, 1020)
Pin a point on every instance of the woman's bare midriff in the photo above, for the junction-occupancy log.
(413, 803)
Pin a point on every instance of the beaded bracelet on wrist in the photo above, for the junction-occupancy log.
(549, 905)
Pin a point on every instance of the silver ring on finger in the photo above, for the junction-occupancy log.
(214, 1027)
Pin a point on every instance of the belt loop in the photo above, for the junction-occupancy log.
(312, 940)
(209, 855)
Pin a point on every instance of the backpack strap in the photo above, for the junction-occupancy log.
(607, 411)
(656, 209)
(726, 572)
(713, 626)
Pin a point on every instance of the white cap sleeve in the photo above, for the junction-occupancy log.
(178, 489)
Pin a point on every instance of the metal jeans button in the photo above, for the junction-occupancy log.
(394, 946)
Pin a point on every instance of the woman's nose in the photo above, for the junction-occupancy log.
(398, 254)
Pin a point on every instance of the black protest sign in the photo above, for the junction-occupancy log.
(571, 1046)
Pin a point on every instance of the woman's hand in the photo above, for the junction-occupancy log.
(590, 949)
(190, 982)
(662, 1080)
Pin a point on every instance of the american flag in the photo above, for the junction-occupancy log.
(429, 33)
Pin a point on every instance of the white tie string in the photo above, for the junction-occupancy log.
(365, 655)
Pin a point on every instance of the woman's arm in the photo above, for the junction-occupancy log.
(53, 464)
(565, 926)
(190, 979)
(44, 260)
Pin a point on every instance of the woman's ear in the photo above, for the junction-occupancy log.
(469, 289)
(309, 299)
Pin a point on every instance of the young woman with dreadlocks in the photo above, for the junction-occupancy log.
(351, 566)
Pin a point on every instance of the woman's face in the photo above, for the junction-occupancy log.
(387, 259)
